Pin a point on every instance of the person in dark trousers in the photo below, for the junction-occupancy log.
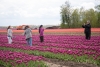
(41, 30)
(28, 34)
(87, 30)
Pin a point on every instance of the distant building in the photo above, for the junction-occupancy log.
(53, 27)
(20, 27)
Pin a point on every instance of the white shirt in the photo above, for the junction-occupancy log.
(9, 33)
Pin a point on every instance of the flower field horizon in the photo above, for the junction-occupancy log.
(59, 30)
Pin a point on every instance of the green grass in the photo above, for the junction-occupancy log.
(29, 64)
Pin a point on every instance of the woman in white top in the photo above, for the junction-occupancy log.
(9, 35)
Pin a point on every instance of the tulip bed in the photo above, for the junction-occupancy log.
(62, 47)
(18, 59)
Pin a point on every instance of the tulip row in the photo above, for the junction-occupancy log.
(55, 50)
(16, 58)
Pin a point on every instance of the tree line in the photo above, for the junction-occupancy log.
(75, 18)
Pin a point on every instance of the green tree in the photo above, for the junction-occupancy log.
(75, 18)
(81, 15)
(91, 15)
(65, 15)
(98, 14)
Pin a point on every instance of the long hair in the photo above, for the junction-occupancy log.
(8, 27)
(40, 27)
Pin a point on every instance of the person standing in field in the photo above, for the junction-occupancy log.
(9, 34)
(28, 35)
(87, 30)
(41, 31)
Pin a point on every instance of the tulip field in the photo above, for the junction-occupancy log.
(63, 47)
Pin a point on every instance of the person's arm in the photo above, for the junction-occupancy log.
(8, 32)
(30, 30)
(24, 33)
(11, 32)
(83, 25)
(40, 31)
(43, 29)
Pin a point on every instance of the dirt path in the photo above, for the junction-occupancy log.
(49, 64)
(59, 63)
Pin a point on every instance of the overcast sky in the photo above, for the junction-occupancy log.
(37, 12)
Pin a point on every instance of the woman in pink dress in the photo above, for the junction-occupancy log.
(41, 31)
